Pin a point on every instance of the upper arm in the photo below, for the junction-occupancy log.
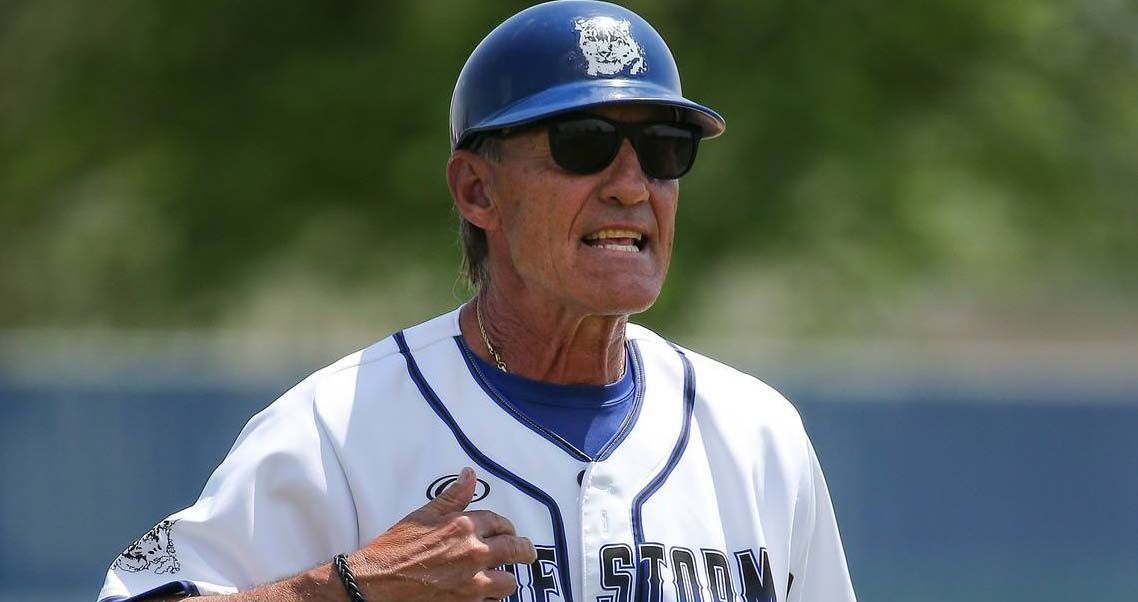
(278, 504)
(818, 561)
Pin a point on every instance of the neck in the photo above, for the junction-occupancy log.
(542, 342)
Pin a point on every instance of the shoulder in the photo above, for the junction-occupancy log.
(331, 392)
(724, 392)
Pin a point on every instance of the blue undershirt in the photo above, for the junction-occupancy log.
(588, 417)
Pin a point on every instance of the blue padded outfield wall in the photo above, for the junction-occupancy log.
(943, 492)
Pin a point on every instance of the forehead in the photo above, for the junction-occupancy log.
(630, 113)
(532, 137)
(633, 112)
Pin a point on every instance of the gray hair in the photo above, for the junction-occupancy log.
(475, 250)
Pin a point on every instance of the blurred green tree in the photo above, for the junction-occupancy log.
(198, 164)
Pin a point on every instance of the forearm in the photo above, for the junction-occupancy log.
(438, 553)
(321, 584)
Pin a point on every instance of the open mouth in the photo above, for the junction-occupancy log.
(628, 241)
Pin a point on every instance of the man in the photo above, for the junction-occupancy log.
(602, 462)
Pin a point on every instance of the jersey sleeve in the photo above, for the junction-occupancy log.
(277, 505)
(818, 562)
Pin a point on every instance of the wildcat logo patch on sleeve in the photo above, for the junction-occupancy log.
(154, 551)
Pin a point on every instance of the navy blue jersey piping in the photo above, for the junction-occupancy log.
(677, 452)
(638, 402)
(172, 588)
(491, 466)
(552, 437)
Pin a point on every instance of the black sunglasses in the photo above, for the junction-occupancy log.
(586, 144)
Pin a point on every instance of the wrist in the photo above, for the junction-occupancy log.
(347, 578)
(321, 584)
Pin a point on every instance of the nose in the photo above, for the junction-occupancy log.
(626, 182)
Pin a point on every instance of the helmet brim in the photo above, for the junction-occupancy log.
(580, 95)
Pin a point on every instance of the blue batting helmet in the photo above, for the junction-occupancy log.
(563, 56)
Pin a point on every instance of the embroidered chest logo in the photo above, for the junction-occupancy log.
(609, 47)
(481, 488)
(154, 551)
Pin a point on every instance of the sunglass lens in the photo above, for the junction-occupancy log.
(667, 151)
(583, 145)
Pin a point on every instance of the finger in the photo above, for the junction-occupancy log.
(489, 524)
(510, 549)
(494, 584)
(456, 497)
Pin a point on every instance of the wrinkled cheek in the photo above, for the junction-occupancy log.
(664, 248)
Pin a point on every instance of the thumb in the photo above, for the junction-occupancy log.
(456, 497)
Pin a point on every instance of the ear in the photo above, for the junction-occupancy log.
(469, 176)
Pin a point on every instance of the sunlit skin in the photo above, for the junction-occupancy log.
(555, 307)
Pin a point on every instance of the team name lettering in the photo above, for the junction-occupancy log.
(703, 576)
(539, 581)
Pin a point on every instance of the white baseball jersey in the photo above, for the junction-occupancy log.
(711, 491)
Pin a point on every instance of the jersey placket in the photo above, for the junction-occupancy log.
(609, 488)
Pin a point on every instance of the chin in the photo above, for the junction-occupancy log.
(623, 299)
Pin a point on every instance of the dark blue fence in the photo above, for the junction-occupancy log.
(940, 497)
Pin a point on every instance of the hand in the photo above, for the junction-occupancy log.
(443, 553)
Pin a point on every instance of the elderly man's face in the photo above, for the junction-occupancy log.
(550, 220)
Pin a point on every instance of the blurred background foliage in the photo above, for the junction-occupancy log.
(202, 201)
(944, 168)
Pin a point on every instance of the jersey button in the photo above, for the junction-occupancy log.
(580, 477)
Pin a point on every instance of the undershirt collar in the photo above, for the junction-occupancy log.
(519, 389)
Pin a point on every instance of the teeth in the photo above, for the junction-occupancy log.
(602, 234)
(625, 248)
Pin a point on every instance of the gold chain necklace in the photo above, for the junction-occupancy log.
(486, 339)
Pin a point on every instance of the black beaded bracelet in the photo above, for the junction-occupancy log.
(346, 576)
